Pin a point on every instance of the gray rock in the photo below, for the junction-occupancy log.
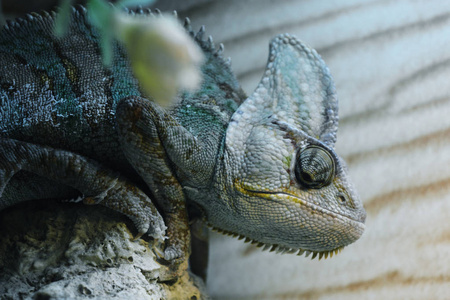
(71, 251)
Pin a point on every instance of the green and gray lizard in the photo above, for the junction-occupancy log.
(262, 167)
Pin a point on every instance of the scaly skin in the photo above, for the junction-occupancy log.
(264, 168)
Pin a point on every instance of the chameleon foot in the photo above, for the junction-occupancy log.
(99, 184)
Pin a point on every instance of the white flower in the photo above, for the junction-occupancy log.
(164, 58)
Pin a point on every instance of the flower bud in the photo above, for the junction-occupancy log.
(164, 58)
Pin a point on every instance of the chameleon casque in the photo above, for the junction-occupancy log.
(262, 167)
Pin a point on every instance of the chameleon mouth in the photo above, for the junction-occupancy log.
(283, 197)
(279, 248)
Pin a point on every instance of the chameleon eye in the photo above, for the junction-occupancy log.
(314, 167)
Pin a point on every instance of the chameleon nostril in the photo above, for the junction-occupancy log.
(342, 199)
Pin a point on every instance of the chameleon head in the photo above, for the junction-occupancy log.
(281, 182)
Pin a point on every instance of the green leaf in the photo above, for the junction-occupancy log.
(100, 13)
(106, 47)
(131, 3)
(62, 20)
(101, 16)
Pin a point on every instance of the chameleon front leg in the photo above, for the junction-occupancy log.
(143, 129)
(98, 184)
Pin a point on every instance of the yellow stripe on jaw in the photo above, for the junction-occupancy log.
(282, 193)
(287, 195)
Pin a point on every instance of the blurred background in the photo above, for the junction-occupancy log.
(391, 64)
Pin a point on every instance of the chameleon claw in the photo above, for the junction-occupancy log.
(73, 200)
(158, 253)
(171, 253)
(138, 236)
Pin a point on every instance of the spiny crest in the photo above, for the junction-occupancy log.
(40, 17)
(143, 11)
(11, 24)
(208, 44)
(79, 10)
(278, 248)
(23, 24)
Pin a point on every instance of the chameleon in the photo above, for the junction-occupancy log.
(261, 167)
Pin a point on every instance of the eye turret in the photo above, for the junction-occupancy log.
(315, 167)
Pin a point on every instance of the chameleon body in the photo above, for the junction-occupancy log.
(262, 167)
